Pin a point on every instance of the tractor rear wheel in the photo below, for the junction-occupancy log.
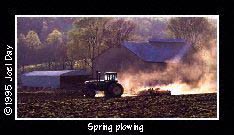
(114, 90)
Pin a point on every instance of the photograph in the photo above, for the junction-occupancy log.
(123, 67)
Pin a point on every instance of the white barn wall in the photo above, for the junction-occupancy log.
(51, 79)
(41, 81)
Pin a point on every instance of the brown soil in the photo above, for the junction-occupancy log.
(70, 105)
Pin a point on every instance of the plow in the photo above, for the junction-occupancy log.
(154, 92)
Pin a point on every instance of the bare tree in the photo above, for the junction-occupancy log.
(194, 30)
(118, 31)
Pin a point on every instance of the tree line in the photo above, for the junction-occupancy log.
(88, 38)
(76, 42)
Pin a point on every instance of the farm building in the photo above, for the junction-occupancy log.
(55, 79)
(144, 56)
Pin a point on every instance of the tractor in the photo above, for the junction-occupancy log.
(109, 85)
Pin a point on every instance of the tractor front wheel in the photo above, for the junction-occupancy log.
(89, 93)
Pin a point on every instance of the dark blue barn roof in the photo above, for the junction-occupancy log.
(155, 53)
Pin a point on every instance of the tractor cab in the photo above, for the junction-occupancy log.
(110, 76)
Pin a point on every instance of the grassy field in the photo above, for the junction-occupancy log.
(70, 105)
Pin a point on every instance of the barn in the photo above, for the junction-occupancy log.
(142, 56)
(55, 79)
